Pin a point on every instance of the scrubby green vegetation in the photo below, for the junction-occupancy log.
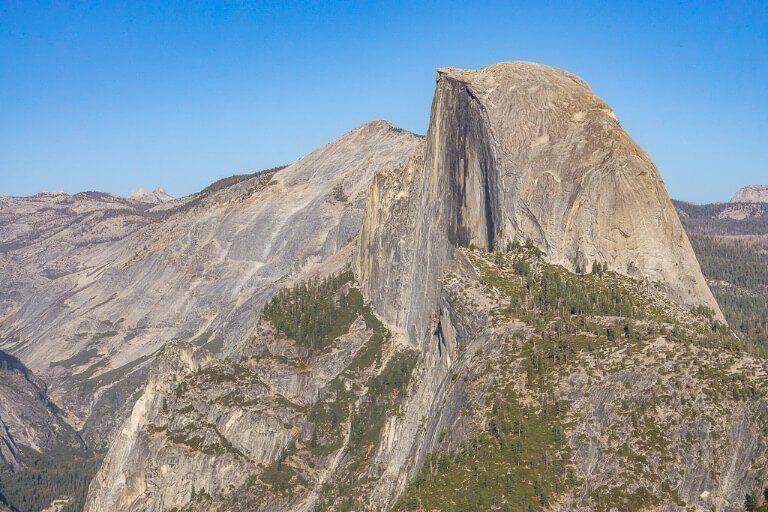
(237, 178)
(331, 414)
(537, 292)
(359, 401)
(734, 261)
(315, 312)
(366, 416)
(264, 180)
(384, 393)
(755, 503)
(521, 460)
(351, 411)
(64, 472)
(280, 477)
(78, 359)
(733, 254)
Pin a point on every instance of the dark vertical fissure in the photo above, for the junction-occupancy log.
(490, 221)
(438, 333)
(467, 156)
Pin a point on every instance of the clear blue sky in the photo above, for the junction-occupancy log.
(118, 95)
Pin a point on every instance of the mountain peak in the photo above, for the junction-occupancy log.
(378, 126)
(521, 152)
(157, 196)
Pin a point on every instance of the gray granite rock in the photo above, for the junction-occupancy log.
(520, 152)
(93, 286)
(751, 194)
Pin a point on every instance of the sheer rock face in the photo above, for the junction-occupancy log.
(751, 194)
(198, 271)
(122, 478)
(515, 152)
(521, 152)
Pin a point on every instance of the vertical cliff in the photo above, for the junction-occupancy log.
(530, 336)
(515, 153)
(29, 423)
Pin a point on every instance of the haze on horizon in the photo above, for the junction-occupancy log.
(115, 97)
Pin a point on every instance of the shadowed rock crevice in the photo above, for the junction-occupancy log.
(467, 158)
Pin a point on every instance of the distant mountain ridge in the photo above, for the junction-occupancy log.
(159, 195)
(712, 214)
(731, 243)
(751, 194)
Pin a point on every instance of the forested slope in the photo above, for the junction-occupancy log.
(731, 243)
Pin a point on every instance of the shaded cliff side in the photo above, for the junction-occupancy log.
(42, 458)
(520, 152)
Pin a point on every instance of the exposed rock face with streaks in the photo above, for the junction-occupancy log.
(220, 422)
(98, 290)
(516, 152)
(505, 314)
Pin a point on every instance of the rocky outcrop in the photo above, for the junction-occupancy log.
(122, 479)
(515, 153)
(742, 211)
(207, 429)
(198, 271)
(751, 194)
